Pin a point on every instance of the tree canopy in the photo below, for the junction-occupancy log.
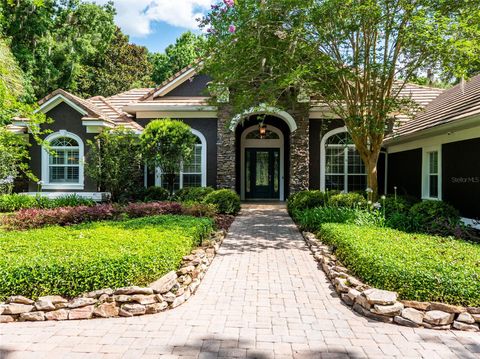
(187, 48)
(352, 55)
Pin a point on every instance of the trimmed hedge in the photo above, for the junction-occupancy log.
(226, 201)
(16, 201)
(193, 194)
(418, 267)
(306, 199)
(68, 261)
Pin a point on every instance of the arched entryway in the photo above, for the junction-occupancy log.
(263, 158)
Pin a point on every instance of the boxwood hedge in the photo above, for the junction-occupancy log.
(71, 260)
(418, 267)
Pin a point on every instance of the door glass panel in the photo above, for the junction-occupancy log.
(261, 178)
(276, 167)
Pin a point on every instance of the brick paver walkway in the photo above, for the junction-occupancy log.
(263, 297)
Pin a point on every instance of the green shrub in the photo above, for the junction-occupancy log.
(71, 260)
(193, 194)
(312, 219)
(398, 204)
(418, 267)
(304, 200)
(226, 200)
(72, 200)
(16, 201)
(435, 217)
(348, 200)
(199, 209)
(401, 221)
(155, 193)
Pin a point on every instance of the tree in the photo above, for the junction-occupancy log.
(167, 144)
(115, 162)
(14, 153)
(123, 66)
(353, 55)
(187, 48)
(53, 39)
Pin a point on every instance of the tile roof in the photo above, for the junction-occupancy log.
(459, 102)
(115, 114)
(130, 96)
(89, 107)
(149, 95)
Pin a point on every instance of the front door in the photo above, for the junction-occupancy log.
(262, 173)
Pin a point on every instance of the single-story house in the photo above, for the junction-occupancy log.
(435, 155)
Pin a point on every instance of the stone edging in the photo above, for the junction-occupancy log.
(168, 292)
(383, 305)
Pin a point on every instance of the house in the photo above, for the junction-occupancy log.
(437, 154)
(270, 156)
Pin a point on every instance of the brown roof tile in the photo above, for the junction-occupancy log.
(459, 102)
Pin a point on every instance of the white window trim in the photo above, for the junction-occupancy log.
(323, 158)
(262, 143)
(426, 172)
(203, 141)
(45, 163)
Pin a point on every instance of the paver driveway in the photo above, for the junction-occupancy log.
(263, 297)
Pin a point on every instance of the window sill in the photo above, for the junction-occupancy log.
(76, 186)
(431, 198)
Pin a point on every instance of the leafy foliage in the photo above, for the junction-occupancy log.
(226, 201)
(53, 40)
(121, 67)
(67, 216)
(14, 202)
(435, 217)
(186, 50)
(71, 260)
(193, 194)
(418, 267)
(312, 219)
(349, 200)
(306, 199)
(115, 161)
(167, 144)
(155, 193)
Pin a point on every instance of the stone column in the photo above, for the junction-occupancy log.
(300, 151)
(226, 153)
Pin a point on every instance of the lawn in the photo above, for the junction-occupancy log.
(71, 260)
(418, 267)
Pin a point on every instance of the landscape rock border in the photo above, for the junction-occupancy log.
(168, 292)
(383, 305)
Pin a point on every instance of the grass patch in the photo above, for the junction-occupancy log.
(418, 267)
(71, 260)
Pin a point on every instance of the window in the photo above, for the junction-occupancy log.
(62, 165)
(193, 173)
(341, 166)
(431, 173)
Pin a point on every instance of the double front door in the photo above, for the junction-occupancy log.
(262, 173)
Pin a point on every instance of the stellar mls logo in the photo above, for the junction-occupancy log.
(465, 179)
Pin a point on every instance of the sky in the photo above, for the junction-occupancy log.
(157, 23)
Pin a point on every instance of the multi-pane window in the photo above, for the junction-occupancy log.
(64, 161)
(433, 174)
(191, 174)
(344, 169)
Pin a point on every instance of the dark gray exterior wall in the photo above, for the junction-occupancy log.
(196, 87)
(208, 127)
(405, 172)
(461, 176)
(64, 118)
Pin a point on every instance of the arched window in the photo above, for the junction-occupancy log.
(341, 166)
(194, 172)
(62, 164)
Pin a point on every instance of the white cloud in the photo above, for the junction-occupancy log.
(134, 17)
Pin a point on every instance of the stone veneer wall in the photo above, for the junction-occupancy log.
(299, 151)
(226, 153)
